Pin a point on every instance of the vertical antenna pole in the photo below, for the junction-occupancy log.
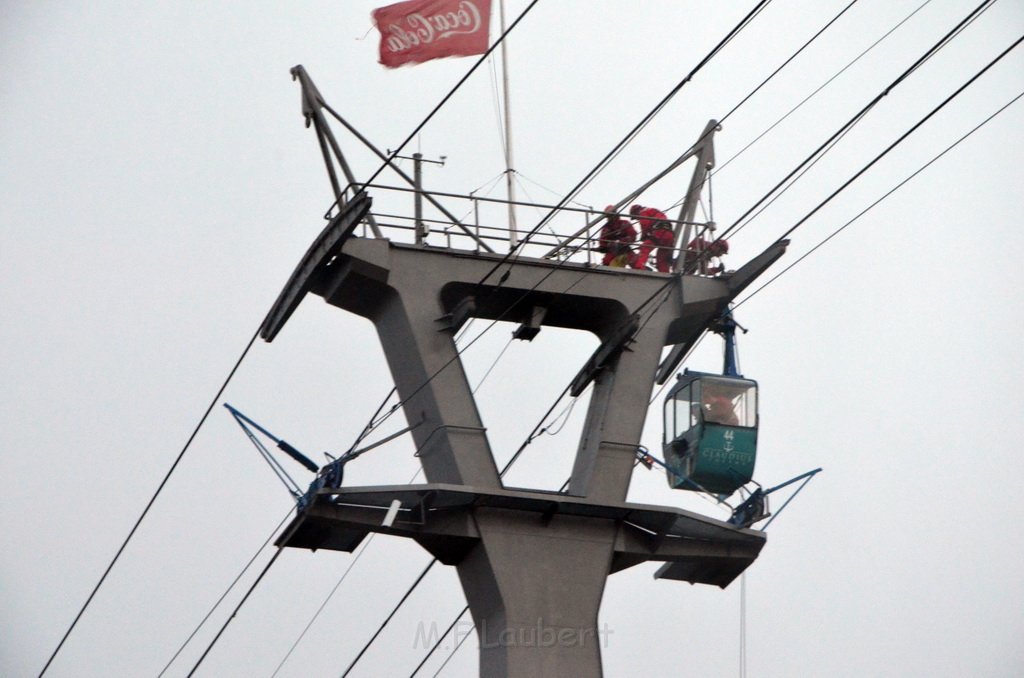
(417, 181)
(513, 236)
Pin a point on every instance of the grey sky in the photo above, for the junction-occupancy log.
(157, 187)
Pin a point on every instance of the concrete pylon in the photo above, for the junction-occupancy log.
(532, 564)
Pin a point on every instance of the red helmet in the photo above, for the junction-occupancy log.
(636, 209)
(610, 209)
(720, 247)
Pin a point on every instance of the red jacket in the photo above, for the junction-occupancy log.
(616, 236)
(649, 219)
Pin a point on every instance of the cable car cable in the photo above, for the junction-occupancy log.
(814, 157)
(226, 592)
(152, 500)
(493, 365)
(385, 622)
(829, 143)
(903, 136)
(438, 644)
(819, 89)
(252, 588)
(879, 200)
(787, 61)
(790, 180)
(885, 92)
(740, 226)
(449, 658)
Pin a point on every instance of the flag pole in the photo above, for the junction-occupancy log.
(509, 182)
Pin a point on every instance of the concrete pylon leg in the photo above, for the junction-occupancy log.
(615, 420)
(430, 379)
(534, 589)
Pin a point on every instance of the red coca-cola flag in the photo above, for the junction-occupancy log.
(420, 30)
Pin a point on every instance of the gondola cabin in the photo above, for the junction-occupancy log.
(710, 439)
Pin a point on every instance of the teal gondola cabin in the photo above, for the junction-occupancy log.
(710, 434)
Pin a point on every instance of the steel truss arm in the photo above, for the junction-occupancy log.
(312, 104)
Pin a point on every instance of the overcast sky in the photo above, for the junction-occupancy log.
(157, 187)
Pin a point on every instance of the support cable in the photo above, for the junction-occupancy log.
(737, 227)
(815, 156)
(857, 175)
(438, 644)
(159, 489)
(235, 612)
(792, 182)
(787, 61)
(385, 622)
(820, 87)
(885, 92)
(226, 592)
(903, 136)
(879, 200)
(493, 365)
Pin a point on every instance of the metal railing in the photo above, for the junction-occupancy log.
(567, 233)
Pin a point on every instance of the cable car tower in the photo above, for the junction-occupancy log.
(532, 563)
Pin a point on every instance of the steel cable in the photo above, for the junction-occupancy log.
(152, 500)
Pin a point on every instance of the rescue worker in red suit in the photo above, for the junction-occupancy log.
(699, 252)
(617, 235)
(655, 231)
